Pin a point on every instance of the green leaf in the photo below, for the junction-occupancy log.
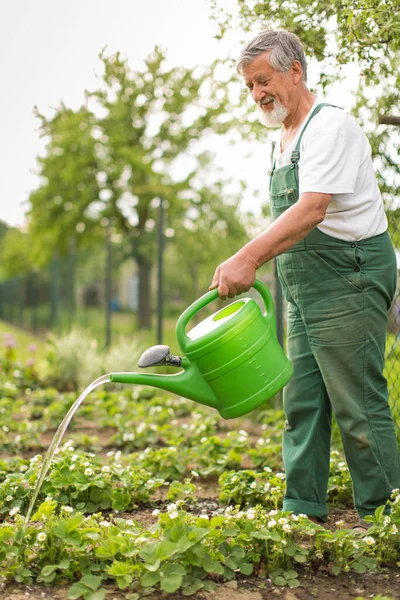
(293, 583)
(279, 580)
(171, 584)
(76, 591)
(91, 581)
(300, 558)
(48, 570)
(246, 568)
(150, 579)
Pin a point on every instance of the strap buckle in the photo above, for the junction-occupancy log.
(294, 159)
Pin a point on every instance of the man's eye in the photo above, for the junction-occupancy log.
(249, 87)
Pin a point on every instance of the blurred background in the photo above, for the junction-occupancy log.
(132, 161)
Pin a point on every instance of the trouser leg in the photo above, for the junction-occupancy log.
(353, 375)
(306, 437)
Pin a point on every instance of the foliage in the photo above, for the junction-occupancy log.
(110, 171)
(86, 529)
(74, 359)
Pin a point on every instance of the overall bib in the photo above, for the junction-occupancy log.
(338, 294)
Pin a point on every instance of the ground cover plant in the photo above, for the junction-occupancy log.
(151, 495)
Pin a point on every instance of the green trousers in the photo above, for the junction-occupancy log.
(338, 296)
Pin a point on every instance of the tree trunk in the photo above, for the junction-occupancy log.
(144, 312)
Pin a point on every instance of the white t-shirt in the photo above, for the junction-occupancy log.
(335, 158)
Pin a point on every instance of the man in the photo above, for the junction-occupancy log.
(337, 269)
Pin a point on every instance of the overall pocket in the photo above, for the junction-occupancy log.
(345, 264)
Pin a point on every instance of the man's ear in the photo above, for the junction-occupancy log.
(297, 72)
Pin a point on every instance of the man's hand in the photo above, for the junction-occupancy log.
(234, 276)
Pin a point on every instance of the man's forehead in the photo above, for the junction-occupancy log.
(258, 66)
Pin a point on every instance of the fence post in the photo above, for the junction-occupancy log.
(160, 252)
(108, 284)
(55, 292)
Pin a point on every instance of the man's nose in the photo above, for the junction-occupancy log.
(258, 93)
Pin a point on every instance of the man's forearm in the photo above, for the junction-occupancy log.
(291, 227)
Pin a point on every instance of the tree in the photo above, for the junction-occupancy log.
(109, 164)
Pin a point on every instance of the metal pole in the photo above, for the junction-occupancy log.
(108, 284)
(160, 251)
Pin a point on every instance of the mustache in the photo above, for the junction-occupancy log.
(265, 100)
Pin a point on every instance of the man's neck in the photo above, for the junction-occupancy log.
(300, 110)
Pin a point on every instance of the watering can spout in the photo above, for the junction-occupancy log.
(188, 383)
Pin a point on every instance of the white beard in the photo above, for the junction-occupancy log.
(275, 117)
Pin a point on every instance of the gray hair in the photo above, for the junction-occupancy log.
(284, 48)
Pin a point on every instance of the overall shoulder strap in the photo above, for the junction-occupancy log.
(296, 152)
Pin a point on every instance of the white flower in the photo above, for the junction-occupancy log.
(280, 475)
(240, 514)
(130, 522)
(286, 527)
(9, 498)
(228, 509)
(251, 513)
(234, 478)
(105, 469)
(104, 523)
(49, 498)
(72, 467)
(14, 511)
(155, 512)
(303, 515)
(86, 463)
(271, 523)
(88, 472)
(41, 537)
(267, 487)
(386, 520)
(369, 540)
(268, 469)
(68, 509)
(339, 523)
(173, 514)
(253, 485)
(74, 457)
(273, 512)
(393, 529)
(284, 542)
(171, 507)
(282, 521)
(355, 545)
(260, 441)
(242, 438)
(203, 516)
(23, 468)
(295, 517)
(397, 499)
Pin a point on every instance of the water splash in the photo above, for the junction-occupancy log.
(57, 439)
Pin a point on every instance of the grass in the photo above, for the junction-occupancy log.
(24, 340)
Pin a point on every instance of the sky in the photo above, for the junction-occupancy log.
(49, 52)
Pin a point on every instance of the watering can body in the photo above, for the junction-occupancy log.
(232, 360)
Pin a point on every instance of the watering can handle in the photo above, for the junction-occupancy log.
(194, 308)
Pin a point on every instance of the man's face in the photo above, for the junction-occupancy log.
(273, 91)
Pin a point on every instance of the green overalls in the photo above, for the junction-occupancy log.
(338, 295)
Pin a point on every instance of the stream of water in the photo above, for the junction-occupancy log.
(57, 439)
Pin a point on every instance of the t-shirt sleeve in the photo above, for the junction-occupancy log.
(329, 161)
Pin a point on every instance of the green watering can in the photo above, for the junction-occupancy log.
(232, 360)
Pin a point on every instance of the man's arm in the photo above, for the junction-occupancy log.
(237, 274)
(291, 227)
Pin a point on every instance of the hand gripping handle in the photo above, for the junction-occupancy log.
(194, 308)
